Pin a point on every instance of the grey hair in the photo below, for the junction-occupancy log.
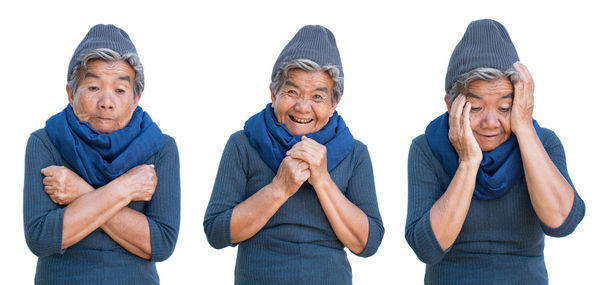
(108, 55)
(484, 73)
(308, 65)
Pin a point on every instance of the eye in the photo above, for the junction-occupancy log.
(475, 109)
(318, 98)
(291, 93)
(504, 110)
(120, 91)
(93, 88)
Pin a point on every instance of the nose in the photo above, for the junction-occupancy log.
(302, 105)
(106, 102)
(491, 120)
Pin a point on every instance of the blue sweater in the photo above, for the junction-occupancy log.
(297, 245)
(97, 259)
(501, 241)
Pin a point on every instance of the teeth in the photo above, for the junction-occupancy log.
(300, 120)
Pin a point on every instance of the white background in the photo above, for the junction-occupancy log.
(208, 66)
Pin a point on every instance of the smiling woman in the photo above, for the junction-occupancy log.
(304, 116)
(294, 188)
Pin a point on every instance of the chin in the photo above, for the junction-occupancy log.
(299, 133)
(104, 130)
(300, 130)
(489, 146)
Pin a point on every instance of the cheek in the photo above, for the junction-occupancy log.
(505, 121)
(82, 105)
(323, 114)
(474, 119)
(280, 109)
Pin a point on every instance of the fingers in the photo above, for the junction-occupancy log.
(50, 170)
(456, 111)
(304, 175)
(49, 189)
(466, 118)
(308, 150)
(303, 165)
(526, 81)
(523, 72)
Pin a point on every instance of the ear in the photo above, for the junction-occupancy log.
(70, 95)
(136, 99)
(448, 105)
(273, 95)
(333, 107)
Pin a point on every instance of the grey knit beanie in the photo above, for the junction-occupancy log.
(313, 42)
(486, 43)
(103, 36)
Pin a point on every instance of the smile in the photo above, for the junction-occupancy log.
(300, 121)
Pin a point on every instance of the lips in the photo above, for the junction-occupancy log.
(299, 120)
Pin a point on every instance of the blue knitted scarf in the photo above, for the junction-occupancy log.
(272, 139)
(500, 168)
(99, 158)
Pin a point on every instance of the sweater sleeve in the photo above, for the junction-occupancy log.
(361, 192)
(228, 191)
(163, 210)
(42, 218)
(424, 190)
(555, 150)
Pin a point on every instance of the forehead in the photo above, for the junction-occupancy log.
(490, 89)
(119, 69)
(308, 79)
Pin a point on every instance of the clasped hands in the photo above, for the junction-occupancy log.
(63, 186)
(305, 161)
(521, 114)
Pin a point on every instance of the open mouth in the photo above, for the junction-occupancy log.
(300, 121)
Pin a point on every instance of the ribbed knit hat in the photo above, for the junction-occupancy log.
(313, 42)
(103, 36)
(486, 43)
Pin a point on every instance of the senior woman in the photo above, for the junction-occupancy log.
(101, 194)
(485, 182)
(294, 187)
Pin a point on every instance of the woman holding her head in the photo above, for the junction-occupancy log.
(486, 183)
(101, 194)
(294, 187)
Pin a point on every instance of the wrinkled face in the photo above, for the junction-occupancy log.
(104, 97)
(491, 103)
(304, 103)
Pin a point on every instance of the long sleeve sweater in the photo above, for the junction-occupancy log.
(97, 259)
(297, 245)
(501, 241)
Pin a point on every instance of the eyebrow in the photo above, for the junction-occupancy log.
(126, 78)
(291, 83)
(471, 95)
(323, 89)
(90, 74)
